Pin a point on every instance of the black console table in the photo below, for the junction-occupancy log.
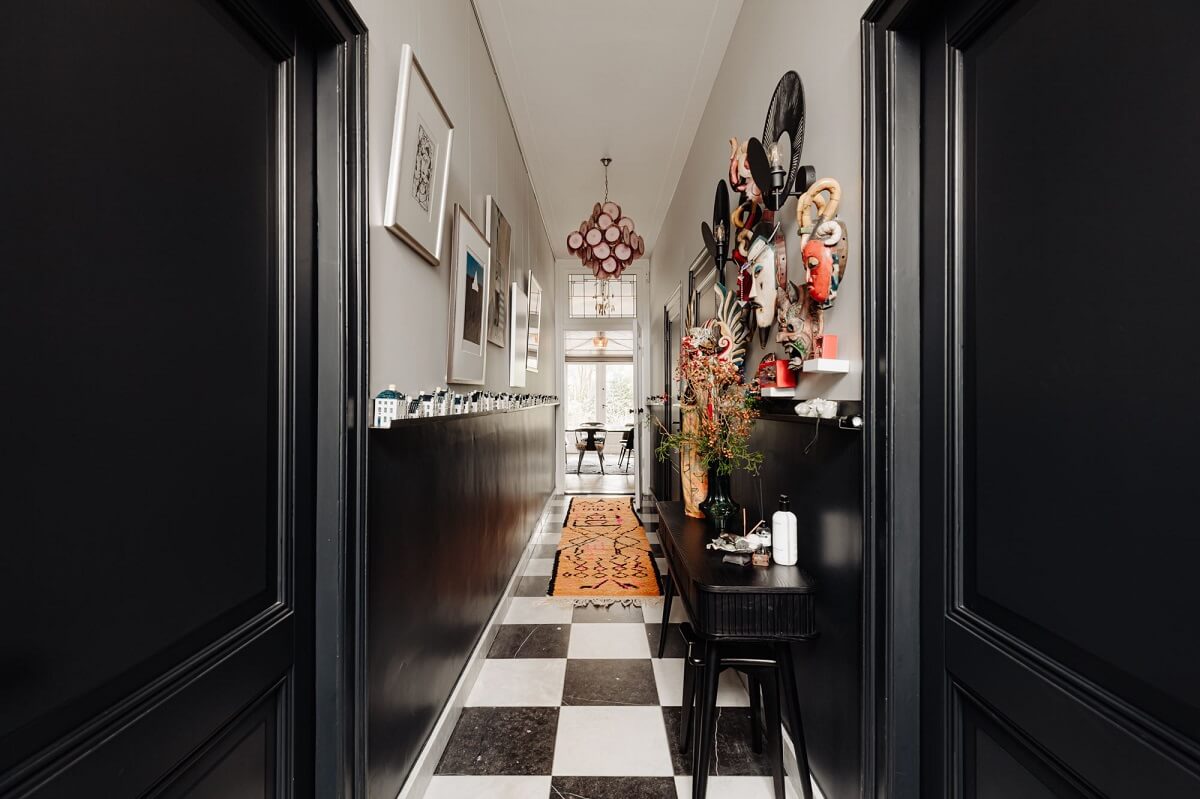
(730, 607)
(724, 600)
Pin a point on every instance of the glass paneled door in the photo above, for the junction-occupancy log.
(600, 392)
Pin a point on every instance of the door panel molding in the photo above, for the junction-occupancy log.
(1089, 728)
(1080, 728)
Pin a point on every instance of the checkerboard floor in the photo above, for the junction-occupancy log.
(570, 704)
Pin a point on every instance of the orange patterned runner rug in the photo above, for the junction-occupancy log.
(604, 552)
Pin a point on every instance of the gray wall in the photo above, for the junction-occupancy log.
(820, 41)
(410, 299)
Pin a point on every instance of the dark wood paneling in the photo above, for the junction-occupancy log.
(452, 502)
(825, 487)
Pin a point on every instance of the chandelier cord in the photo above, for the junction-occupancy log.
(606, 162)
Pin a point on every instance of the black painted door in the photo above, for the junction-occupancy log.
(159, 349)
(1058, 397)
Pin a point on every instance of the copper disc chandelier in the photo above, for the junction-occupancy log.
(606, 242)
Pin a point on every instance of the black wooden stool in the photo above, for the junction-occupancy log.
(766, 666)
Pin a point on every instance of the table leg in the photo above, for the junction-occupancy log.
(668, 593)
(788, 677)
(706, 731)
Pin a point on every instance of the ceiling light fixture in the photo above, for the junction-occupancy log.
(606, 242)
(600, 341)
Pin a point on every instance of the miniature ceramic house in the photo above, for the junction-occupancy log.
(387, 407)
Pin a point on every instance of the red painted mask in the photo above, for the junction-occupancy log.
(818, 269)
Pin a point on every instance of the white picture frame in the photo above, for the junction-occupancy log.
(419, 166)
(533, 338)
(499, 233)
(468, 301)
(518, 328)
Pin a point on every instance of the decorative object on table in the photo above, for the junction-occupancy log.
(500, 240)
(468, 301)
(712, 384)
(603, 552)
(606, 241)
(716, 238)
(817, 408)
(519, 329)
(387, 407)
(534, 338)
(419, 168)
(783, 533)
(692, 471)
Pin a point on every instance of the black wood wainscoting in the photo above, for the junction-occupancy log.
(451, 504)
(825, 487)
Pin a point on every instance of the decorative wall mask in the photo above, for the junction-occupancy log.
(606, 242)
(730, 326)
(797, 328)
(763, 287)
(823, 246)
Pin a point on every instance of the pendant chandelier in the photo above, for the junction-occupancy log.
(606, 242)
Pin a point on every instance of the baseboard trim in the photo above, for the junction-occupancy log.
(422, 772)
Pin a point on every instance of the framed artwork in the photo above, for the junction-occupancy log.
(535, 324)
(500, 237)
(519, 325)
(415, 209)
(468, 301)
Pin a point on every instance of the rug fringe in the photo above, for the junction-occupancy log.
(608, 602)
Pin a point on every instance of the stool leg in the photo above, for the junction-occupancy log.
(756, 709)
(788, 677)
(774, 731)
(579, 463)
(686, 716)
(668, 593)
(706, 730)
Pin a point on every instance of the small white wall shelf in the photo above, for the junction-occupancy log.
(827, 366)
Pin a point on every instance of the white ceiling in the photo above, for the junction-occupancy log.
(624, 78)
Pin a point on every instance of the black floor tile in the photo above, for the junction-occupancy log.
(610, 682)
(656, 550)
(612, 788)
(732, 755)
(531, 641)
(620, 614)
(502, 740)
(532, 586)
(675, 645)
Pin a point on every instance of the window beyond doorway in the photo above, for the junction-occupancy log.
(599, 392)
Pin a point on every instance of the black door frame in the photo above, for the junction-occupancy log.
(891, 101)
(339, 614)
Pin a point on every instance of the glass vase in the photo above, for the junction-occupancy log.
(719, 508)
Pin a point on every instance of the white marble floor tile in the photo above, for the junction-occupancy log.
(611, 742)
(488, 787)
(608, 641)
(539, 610)
(652, 611)
(519, 682)
(653, 538)
(663, 566)
(552, 538)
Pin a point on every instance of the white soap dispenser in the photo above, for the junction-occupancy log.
(783, 534)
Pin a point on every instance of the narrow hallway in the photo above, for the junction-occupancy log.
(572, 704)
